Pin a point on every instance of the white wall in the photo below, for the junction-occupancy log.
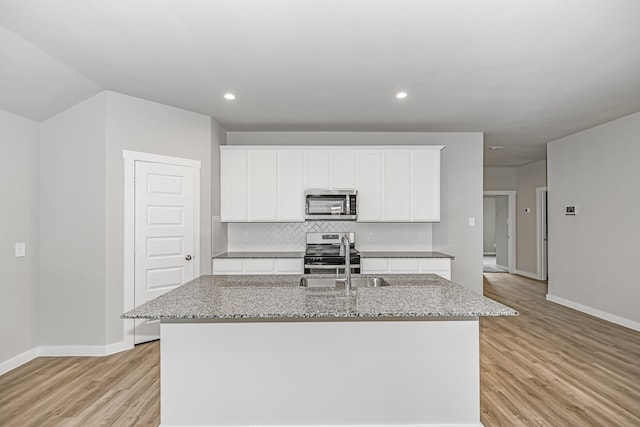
(461, 199)
(500, 179)
(219, 230)
(593, 256)
(502, 231)
(139, 125)
(461, 173)
(71, 285)
(529, 177)
(82, 211)
(18, 223)
(489, 225)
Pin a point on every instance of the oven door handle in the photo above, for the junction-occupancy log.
(329, 267)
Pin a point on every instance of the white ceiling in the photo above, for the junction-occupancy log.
(523, 71)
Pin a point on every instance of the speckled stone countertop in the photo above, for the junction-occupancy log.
(260, 255)
(403, 254)
(265, 297)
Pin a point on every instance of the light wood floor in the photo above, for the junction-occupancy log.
(551, 366)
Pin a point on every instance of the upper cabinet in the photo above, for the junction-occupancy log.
(266, 184)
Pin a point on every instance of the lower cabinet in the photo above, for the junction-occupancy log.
(439, 266)
(258, 266)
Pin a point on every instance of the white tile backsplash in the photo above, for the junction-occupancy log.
(291, 236)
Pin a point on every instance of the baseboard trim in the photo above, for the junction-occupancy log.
(62, 351)
(627, 323)
(87, 350)
(527, 274)
(18, 360)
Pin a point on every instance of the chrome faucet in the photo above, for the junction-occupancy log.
(345, 250)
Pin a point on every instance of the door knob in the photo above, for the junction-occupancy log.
(188, 257)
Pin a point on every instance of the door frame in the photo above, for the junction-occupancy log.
(511, 226)
(130, 159)
(542, 264)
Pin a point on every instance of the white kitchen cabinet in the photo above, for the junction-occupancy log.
(399, 184)
(396, 186)
(343, 169)
(290, 186)
(369, 167)
(239, 266)
(439, 266)
(262, 188)
(317, 169)
(234, 185)
(425, 180)
(267, 184)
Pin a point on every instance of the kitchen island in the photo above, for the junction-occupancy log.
(262, 350)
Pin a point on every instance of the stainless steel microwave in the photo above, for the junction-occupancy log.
(331, 205)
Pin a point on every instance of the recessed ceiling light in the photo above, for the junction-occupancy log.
(401, 95)
(495, 147)
(229, 96)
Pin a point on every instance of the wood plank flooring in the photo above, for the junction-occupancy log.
(551, 366)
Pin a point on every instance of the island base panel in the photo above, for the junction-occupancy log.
(384, 373)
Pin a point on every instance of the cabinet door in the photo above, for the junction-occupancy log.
(425, 166)
(343, 169)
(404, 265)
(263, 201)
(290, 187)
(374, 265)
(227, 266)
(397, 186)
(289, 266)
(258, 266)
(316, 168)
(439, 266)
(369, 173)
(234, 185)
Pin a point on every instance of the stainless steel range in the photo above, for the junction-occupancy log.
(323, 254)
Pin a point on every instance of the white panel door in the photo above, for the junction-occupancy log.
(234, 185)
(263, 200)
(290, 186)
(343, 169)
(369, 173)
(426, 185)
(397, 185)
(164, 235)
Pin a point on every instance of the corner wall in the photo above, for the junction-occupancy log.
(71, 286)
(18, 223)
(593, 256)
(529, 177)
(139, 125)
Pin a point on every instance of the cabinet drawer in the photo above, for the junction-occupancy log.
(227, 266)
(404, 265)
(289, 266)
(374, 265)
(252, 266)
(434, 264)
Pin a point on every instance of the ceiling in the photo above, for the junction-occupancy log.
(523, 71)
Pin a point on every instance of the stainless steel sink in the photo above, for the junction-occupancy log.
(331, 282)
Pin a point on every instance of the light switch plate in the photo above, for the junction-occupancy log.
(20, 249)
(472, 221)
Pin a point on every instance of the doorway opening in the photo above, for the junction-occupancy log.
(499, 231)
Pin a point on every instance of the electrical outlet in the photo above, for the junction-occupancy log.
(20, 249)
(245, 237)
(421, 237)
(371, 237)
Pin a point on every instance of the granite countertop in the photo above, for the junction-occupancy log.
(264, 297)
(403, 254)
(363, 254)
